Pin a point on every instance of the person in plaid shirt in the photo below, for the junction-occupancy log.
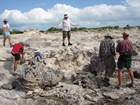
(106, 55)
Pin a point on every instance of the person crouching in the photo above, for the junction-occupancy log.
(17, 51)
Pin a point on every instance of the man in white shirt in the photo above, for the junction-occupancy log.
(66, 25)
(6, 32)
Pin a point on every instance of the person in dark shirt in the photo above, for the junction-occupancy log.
(17, 50)
(124, 48)
(107, 54)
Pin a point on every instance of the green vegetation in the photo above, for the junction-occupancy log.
(42, 31)
(127, 27)
(15, 31)
(53, 29)
(0, 31)
(84, 29)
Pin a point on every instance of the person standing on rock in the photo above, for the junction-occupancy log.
(106, 55)
(6, 32)
(124, 48)
(18, 48)
(66, 24)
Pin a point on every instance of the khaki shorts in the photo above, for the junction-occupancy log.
(66, 34)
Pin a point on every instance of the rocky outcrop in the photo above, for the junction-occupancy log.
(36, 75)
(73, 75)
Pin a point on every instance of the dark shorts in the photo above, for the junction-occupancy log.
(66, 34)
(17, 56)
(123, 63)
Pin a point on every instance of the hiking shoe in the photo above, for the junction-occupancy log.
(69, 44)
(106, 80)
(63, 44)
(130, 85)
(11, 45)
(118, 87)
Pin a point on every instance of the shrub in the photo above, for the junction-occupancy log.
(15, 31)
(116, 27)
(127, 27)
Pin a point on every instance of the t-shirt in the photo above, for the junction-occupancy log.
(17, 48)
(5, 26)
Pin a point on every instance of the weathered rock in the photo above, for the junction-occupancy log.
(2, 76)
(96, 66)
(7, 86)
(134, 101)
(37, 76)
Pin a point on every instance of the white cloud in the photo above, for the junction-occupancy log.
(90, 16)
(135, 3)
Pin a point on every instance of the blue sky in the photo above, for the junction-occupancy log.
(27, 5)
(41, 14)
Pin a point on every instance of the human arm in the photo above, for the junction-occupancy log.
(73, 24)
(60, 24)
(118, 47)
(113, 48)
(100, 52)
(22, 52)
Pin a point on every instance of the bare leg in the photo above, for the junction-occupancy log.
(63, 40)
(9, 38)
(15, 65)
(120, 77)
(4, 40)
(131, 75)
(68, 40)
(63, 44)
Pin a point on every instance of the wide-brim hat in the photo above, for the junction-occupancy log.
(65, 15)
(5, 20)
(108, 35)
(125, 33)
(22, 43)
(36, 50)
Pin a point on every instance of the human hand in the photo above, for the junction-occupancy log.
(58, 26)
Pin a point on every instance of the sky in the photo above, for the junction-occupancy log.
(43, 14)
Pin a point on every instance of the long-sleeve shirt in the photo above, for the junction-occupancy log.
(66, 24)
(107, 47)
(38, 54)
(124, 46)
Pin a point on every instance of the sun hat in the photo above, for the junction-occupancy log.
(65, 15)
(125, 33)
(21, 43)
(5, 20)
(108, 35)
(36, 50)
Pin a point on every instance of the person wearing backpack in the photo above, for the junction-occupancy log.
(124, 48)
